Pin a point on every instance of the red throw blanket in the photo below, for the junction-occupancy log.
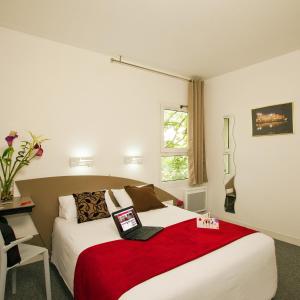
(108, 270)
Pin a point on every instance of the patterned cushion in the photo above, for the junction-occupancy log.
(91, 206)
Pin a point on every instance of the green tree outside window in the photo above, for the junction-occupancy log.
(174, 166)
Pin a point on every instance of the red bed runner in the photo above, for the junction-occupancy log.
(108, 270)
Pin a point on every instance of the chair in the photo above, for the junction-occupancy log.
(27, 253)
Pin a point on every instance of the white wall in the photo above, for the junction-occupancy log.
(86, 106)
(267, 167)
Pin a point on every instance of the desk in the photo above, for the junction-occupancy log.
(17, 214)
(18, 206)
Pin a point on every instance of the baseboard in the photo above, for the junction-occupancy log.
(274, 235)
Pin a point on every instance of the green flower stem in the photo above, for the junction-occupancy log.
(21, 165)
(14, 165)
(6, 164)
(13, 172)
(29, 151)
(7, 161)
(2, 167)
(10, 158)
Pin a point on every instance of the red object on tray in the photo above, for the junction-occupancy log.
(108, 270)
(25, 203)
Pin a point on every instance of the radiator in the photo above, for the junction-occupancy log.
(195, 199)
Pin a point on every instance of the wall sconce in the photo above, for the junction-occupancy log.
(81, 162)
(133, 160)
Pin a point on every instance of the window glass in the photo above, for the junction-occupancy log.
(174, 167)
(175, 129)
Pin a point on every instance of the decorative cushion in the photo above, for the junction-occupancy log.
(91, 206)
(144, 198)
(68, 210)
(123, 198)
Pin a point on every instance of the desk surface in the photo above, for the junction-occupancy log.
(17, 206)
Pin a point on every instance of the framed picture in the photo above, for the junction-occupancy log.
(275, 119)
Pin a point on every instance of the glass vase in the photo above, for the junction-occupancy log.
(7, 192)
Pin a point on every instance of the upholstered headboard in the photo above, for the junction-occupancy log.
(45, 192)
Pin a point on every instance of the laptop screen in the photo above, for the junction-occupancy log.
(126, 219)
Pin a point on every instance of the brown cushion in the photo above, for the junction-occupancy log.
(91, 206)
(143, 198)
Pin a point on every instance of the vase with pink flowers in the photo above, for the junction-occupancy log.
(13, 160)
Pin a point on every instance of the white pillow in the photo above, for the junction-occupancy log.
(68, 210)
(110, 205)
(122, 197)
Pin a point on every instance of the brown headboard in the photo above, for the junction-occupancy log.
(45, 192)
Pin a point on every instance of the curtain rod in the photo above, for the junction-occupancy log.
(120, 61)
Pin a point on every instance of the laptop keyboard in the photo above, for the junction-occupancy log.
(142, 232)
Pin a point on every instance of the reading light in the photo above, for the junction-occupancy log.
(133, 160)
(81, 162)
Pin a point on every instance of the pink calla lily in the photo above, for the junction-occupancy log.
(39, 151)
(10, 138)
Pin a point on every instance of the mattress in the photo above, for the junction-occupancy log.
(244, 269)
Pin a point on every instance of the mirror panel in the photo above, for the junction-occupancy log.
(229, 165)
(226, 133)
(226, 164)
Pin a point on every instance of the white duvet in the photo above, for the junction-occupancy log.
(244, 269)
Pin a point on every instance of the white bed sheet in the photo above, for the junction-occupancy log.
(243, 270)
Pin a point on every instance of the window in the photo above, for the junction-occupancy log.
(174, 161)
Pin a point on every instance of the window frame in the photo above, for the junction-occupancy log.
(166, 152)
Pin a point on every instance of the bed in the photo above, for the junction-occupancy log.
(244, 269)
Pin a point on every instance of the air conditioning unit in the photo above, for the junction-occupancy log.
(195, 199)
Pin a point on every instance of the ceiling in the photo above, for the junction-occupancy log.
(186, 37)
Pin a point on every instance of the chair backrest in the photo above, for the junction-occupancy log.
(3, 254)
(9, 256)
(2, 244)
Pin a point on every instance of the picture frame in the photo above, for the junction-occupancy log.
(271, 120)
